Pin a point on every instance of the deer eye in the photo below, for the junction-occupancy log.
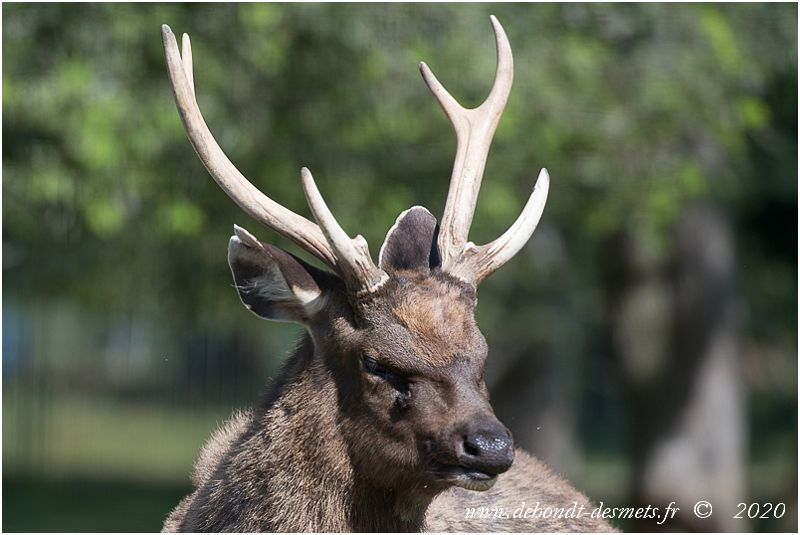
(376, 368)
(396, 380)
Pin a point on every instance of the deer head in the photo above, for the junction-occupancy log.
(398, 339)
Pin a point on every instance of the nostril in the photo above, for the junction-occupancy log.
(471, 447)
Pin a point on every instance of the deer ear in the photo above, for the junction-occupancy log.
(411, 242)
(273, 283)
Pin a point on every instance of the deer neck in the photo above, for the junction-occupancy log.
(313, 482)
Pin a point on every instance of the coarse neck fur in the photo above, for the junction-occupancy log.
(291, 470)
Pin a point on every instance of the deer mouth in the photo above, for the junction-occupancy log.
(466, 478)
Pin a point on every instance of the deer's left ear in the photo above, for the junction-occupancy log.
(274, 284)
(411, 242)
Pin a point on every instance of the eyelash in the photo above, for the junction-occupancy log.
(373, 367)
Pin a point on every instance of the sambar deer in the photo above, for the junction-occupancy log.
(380, 420)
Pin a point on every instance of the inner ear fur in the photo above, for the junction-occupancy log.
(275, 284)
(411, 242)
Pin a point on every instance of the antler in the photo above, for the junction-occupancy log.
(474, 131)
(330, 243)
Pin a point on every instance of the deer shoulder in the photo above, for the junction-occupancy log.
(530, 497)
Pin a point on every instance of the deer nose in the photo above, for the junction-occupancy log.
(489, 449)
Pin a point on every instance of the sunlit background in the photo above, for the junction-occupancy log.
(644, 343)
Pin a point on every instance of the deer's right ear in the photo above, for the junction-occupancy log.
(273, 283)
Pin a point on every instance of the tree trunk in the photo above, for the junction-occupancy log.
(675, 335)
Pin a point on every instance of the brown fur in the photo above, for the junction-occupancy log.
(325, 450)
(285, 467)
(435, 313)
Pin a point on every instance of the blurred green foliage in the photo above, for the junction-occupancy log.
(635, 109)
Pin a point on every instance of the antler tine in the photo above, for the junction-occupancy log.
(352, 255)
(474, 130)
(297, 228)
(479, 261)
(186, 60)
(504, 73)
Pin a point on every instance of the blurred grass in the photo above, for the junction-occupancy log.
(75, 436)
(96, 464)
(38, 504)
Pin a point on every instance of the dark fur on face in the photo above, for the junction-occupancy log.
(409, 372)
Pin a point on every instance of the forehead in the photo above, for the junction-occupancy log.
(428, 320)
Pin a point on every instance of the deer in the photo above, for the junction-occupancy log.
(380, 419)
